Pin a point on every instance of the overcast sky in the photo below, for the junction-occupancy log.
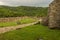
(25, 2)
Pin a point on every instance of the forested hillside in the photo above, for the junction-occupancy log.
(6, 11)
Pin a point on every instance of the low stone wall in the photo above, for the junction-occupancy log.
(9, 19)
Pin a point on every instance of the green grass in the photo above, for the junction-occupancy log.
(32, 33)
(27, 20)
(2, 24)
(22, 21)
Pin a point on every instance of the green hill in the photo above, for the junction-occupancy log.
(7, 11)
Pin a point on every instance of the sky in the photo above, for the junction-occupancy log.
(38, 3)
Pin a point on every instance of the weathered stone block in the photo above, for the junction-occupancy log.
(44, 21)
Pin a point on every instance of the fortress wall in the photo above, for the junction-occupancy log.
(54, 14)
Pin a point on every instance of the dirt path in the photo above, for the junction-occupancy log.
(6, 29)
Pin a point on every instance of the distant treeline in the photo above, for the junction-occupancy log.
(6, 11)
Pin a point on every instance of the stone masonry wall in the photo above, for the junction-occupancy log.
(10, 19)
(54, 14)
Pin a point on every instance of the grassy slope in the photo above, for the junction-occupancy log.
(6, 11)
(27, 20)
(32, 33)
(2, 24)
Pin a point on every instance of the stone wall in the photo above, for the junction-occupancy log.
(9, 19)
(54, 14)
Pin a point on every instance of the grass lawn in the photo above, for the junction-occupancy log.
(2, 24)
(22, 21)
(32, 33)
(27, 20)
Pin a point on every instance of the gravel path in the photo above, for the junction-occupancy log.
(6, 29)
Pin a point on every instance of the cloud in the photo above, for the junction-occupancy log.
(25, 2)
(1, 3)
